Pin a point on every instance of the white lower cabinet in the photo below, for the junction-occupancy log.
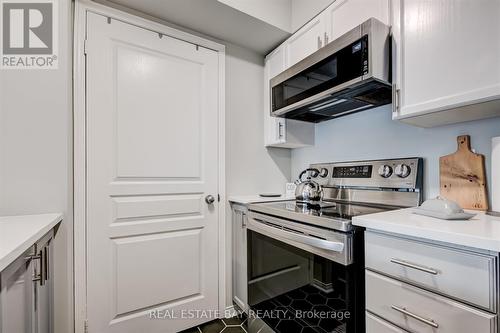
(26, 294)
(437, 268)
(239, 256)
(418, 310)
(377, 325)
(426, 287)
(17, 296)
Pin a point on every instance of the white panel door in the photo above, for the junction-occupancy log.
(344, 15)
(306, 40)
(152, 158)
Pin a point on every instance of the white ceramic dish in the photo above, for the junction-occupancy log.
(443, 209)
(442, 215)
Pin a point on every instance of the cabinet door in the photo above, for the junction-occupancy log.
(344, 15)
(239, 260)
(306, 40)
(274, 128)
(16, 296)
(447, 54)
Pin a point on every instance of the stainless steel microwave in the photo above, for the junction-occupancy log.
(350, 74)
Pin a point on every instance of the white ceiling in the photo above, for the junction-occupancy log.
(215, 19)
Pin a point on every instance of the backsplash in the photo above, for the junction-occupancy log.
(374, 135)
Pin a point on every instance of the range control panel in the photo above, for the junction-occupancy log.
(392, 173)
(355, 171)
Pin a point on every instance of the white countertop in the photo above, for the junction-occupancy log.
(18, 233)
(481, 232)
(248, 199)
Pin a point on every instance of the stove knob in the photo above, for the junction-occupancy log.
(385, 171)
(402, 170)
(323, 172)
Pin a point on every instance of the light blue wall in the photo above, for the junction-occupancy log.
(373, 135)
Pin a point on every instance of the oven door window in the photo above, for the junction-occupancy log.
(344, 65)
(290, 289)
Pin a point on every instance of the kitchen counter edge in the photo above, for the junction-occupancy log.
(24, 231)
(481, 232)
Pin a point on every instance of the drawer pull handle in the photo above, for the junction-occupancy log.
(417, 267)
(429, 322)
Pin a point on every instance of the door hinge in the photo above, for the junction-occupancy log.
(86, 326)
(85, 46)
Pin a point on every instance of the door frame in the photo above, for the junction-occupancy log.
(82, 7)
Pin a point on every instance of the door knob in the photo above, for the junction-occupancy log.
(209, 199)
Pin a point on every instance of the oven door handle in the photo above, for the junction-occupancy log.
(263, 228)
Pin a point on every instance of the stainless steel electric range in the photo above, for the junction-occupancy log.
(305, 262)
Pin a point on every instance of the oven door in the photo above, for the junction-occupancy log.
(303, 276)
(336, 246)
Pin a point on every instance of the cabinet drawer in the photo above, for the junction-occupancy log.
(377, 325)
(463, 275)
(418, 310)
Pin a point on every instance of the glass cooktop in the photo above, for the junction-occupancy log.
(332, 215)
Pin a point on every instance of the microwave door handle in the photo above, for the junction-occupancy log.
(301, 238)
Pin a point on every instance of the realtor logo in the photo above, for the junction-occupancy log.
(29, 34)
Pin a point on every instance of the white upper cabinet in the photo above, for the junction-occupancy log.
(274, 128)
(344, 15)
(281, 132)
(446, 60)
(307, 40)
(340, 17)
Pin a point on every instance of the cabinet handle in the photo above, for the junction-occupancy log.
(394, 101)
(32, 257)
(429, 322)
(414, 266)
(38, 274)
(326, 38)
(280, 130)
(45, 263)
(319, 42)
(398, 99)
(243, 224)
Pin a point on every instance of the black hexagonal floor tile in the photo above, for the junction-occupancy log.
(297, 294)
(266, 306)
(284, 300)
(289, 326)
(310, 289)
(272, 322)
(316, 299)
(215, 326)
(317, 312)
(336, 303)
(285, 312)
(310, 329)
(301, 305)
(329, 324)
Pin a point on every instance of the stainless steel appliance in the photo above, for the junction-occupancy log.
(350, 74)
(305, 262)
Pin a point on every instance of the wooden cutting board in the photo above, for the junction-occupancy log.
(463, 178)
